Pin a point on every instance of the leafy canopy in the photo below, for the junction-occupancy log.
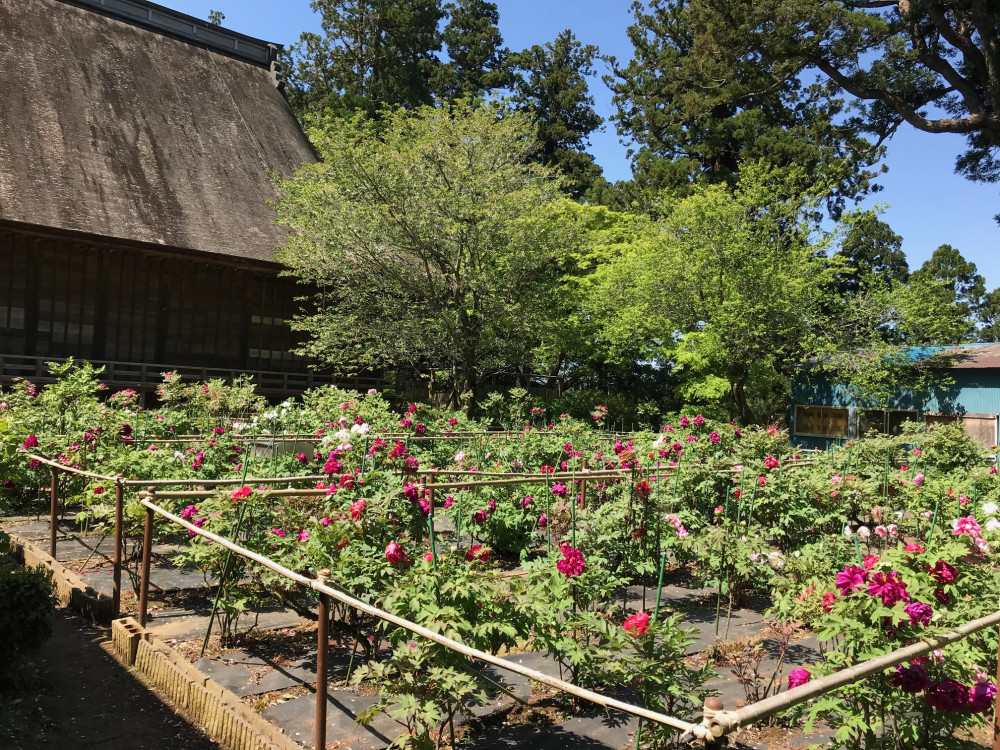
(434, 241)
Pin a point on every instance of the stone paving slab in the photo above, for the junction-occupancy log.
(246, 674)
(591, 731)
(184, 623)
(297, 718)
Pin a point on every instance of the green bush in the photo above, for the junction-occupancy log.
(25, 617)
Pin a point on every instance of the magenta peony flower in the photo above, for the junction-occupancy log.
(888, 587)
(912, 679)
(947, 695)
(29, 442)
(559, 489)
(526, 501)
(798, 677)
(572, 563)
(543, 520)
(395, 553)
(942, 572)
(919, 613)
(850, 579)
(981, 697)
(714, 437)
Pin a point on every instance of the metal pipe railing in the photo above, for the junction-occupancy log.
(697, 730)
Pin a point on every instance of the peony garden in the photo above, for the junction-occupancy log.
(554, 537)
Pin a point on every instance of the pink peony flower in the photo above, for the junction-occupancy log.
(888, 587)
(798, 677)
(981, 697)
(850, 579)
(919, 613)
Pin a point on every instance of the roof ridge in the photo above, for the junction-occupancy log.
(185, 28)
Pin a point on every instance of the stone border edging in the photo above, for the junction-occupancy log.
(224, 717)
(71, 590)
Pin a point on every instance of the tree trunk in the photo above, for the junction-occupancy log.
(738, 391)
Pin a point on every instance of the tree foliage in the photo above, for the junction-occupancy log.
(550, 84)
(696, 109)
(371, 54)
(932, 64)
(434, 241)
(720, 290)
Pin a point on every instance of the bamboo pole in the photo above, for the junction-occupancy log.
(602, 700)
(69, 469)
(725, 722)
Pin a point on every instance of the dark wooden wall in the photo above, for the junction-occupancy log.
(60, 298)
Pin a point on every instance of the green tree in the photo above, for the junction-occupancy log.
(371, 54)
(722, 291)
(989, 317)
(870, 252)
(477, 58)
(433, 240)
(550, 84)
(694, 109)
(960, 277)
(933, 64)
(216, 17)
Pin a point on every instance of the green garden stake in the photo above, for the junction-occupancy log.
(363, 457)
(975, 487)
(857, 548)
(933, 521)
(659, 585)
(458, 523)
(430, 526)
(548, 516)
(638, 734)
(574, 511)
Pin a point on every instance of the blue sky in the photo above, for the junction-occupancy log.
(928, 204)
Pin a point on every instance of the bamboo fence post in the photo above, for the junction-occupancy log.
(147, 555)
(996, 714)
(116, 592)
(322, 647)
(53, 503)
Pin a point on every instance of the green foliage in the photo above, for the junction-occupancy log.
(697, 109)
(372, 54)
(433, 240)
(550, 85)
(25, 618)
(720, 291)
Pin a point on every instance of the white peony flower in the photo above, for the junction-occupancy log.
(990, 509)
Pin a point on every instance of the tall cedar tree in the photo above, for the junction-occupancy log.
(933, 64)
(477, 62)
(372, 54)
(550, 84)
(693, 110)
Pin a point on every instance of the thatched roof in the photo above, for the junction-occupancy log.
(120, 131)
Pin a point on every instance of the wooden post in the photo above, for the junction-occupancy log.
(322, 646)
(116, 594)
(53, 502)
(147, 556)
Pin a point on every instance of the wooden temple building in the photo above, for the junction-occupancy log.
(135, 230)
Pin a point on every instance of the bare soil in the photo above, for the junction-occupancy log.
(77, 696)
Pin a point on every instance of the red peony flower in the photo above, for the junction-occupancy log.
(637, 624)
